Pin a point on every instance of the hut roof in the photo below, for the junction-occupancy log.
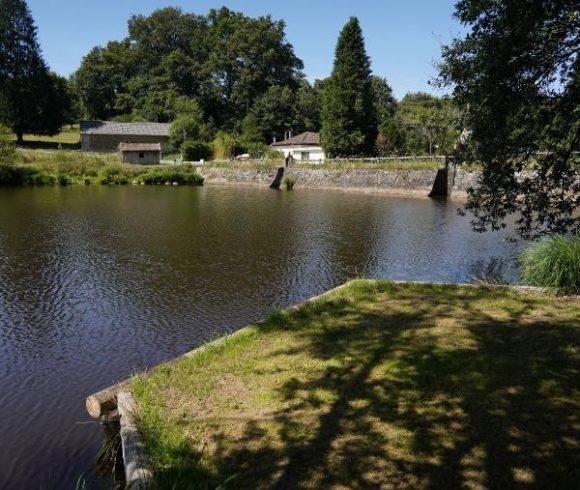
(139, 147)
(308, 138)
(128, 129)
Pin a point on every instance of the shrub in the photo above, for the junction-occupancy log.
(257, 150)
(113, 175)
(272, 154)
(63, 179)
(553, 263)
(10, 174)
(224, 146)
(194, 150)
(186, 126)
(39, 178)
(161, 176)
(289, 181)
(7, 148)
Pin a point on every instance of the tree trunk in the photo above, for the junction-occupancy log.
(19, 137)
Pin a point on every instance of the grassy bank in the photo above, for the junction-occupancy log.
(68, 139)
(37, 167)
(413, 386)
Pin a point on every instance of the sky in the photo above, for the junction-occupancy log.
(403, 38)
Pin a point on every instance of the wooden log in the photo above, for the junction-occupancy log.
(138, 474)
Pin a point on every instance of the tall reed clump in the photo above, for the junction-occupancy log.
(554, 264)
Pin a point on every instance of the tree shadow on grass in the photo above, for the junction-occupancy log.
(409, 403)
(49, 145)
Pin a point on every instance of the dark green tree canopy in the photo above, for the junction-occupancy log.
(225, 60)
(517, 75)
(348, 118)
(31, 99)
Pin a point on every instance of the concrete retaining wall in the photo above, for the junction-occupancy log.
(417, 182)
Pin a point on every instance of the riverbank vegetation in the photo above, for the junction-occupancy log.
(553, 263)
(37, 167)
(424, 385)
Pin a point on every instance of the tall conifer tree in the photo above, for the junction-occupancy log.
(26, 87)
(349, 125)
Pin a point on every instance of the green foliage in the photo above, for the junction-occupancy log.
(224, 60)
(114, 175)
(224, 146)
(39, 178)
(256, 150)
(250, 131)
(348, 117)
(272, 154)
(6, 146)
(516, 73)
(128, 118)
(553, 263)
(383, 100)
(427, 124)
(289, 183)
(274, 112)
(307, 107)
(390, 140)
(32, 100)
(185, 127)
(194, 151)
(160, 176)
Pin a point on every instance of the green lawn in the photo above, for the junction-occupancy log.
(377, 385)
(68, 139)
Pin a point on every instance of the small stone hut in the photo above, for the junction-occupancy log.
(143, 153)
(106, 136)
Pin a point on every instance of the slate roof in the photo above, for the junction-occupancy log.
(140, 147)
(308, 138)
(125, 129)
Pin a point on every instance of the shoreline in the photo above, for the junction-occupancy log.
(359, 297)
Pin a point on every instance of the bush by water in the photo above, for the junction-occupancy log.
(553, 263)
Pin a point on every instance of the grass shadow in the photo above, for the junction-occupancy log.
(415, 387)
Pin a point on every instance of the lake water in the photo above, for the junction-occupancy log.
(97, 283)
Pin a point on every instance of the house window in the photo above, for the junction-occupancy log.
(141, 155)
(305, 155)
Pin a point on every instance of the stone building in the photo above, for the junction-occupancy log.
(143, 153)
(106, 136)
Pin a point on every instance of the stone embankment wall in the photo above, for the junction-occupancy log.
(414, 182)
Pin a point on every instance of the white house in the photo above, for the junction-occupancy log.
(304, 147)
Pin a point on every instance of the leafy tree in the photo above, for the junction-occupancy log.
(102, 80)
(384, 102)
(27, 90)
(427, 122)
(194, 150)
(348, 118)
(250, 132)
(390, 140)
(225, 61)
(188, 125)
(307, 107)
(517, 75)
(62, 106)
(274, 112)
(248, 57)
